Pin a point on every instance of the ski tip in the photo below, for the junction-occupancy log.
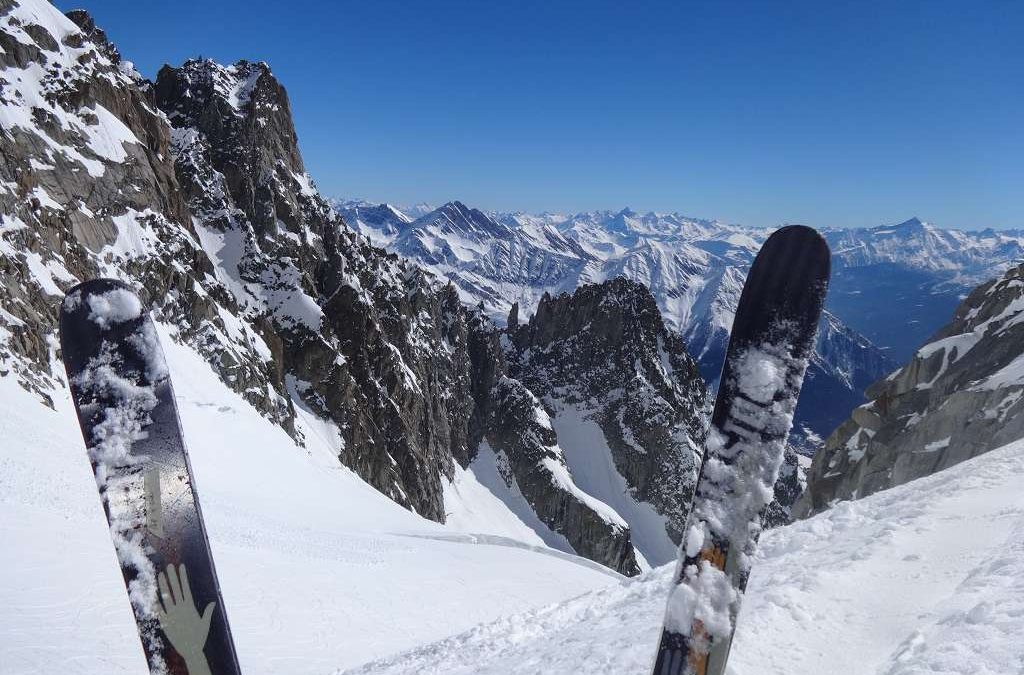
(799, 243)
(804, 234)
(96, 307)
(84, 295)
(92, 287)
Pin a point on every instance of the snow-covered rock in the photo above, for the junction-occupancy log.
(962, 394)
(624, 400)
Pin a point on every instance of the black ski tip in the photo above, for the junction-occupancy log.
(797, 230)
(802, 237)
(813, 248)
(91, 287)
(84, 326)
(793, 259)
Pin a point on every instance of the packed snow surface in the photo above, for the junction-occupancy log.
(925, 578)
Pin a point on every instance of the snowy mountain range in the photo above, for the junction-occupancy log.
(893, 286)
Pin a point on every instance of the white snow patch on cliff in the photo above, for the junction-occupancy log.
(593, 469)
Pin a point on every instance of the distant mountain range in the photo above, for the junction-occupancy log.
(892, 287)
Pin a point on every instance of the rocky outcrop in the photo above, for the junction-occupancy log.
(366, 339)
(519, 428)
(789, 488)
(604, 354)
(961, 395)
(843, 365)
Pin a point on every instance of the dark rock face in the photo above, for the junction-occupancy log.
(243, 113)
(961, 395)
(368, 340)
(192, 189)
(606, 351)
(843, 365)
(788, 490)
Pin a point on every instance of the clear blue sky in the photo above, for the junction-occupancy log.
(825, 112)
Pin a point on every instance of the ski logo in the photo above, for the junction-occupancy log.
(186, 629)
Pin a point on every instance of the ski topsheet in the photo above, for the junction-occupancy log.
(771, 340)
(126, 409)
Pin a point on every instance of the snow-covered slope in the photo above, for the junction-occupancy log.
(318, 569)
(922, 579)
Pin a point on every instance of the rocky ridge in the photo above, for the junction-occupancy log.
(605, 353)
(962, 394)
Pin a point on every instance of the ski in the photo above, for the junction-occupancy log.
(126, 410)
(771, 340)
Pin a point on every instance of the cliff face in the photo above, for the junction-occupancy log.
(363, 338)
(192, 190)
(604, 355)
(959, 396)
(594, 412)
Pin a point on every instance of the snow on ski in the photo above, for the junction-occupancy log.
(126, 410)
(771, 341)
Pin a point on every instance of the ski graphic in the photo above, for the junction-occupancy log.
(771, 341)
(126, 409)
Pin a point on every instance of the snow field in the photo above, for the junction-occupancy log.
(925, 578)
(318, 570)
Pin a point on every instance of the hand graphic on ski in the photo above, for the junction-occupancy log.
(186, 629)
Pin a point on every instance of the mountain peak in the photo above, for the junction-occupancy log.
(234, 84)
(456, 216)
(914, 223)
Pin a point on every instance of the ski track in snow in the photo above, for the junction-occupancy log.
(922, 579)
